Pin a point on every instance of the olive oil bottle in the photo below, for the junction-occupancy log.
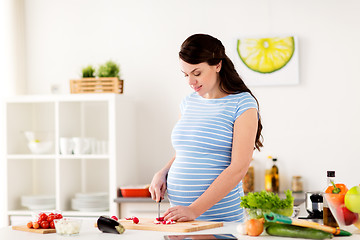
(272, 177)
(328, 218)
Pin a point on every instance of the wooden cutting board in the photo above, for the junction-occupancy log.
(148, 224)
(39, 230)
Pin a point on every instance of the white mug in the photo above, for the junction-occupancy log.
(66, 145)
(81, 145)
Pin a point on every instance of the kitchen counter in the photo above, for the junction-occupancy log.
(89, 232)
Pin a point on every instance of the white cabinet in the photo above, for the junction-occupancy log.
(106, 118)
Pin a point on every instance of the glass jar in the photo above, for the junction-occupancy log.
(297, 184)
(249, 179)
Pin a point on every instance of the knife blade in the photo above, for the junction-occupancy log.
(159, 208)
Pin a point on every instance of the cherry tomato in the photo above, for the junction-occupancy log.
(50, 218)
(42, 217)
(115, 218)
(52, 225)
(29, 224)
(58, 216)
(36, 225)
(45, 224)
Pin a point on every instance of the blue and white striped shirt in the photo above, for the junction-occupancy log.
(202, 139)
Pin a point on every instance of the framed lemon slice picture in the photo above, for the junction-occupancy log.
(268, 60)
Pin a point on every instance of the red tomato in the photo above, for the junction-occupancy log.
(36, 225)
(58, 216)
(45, 224)
(115, 218)
(52, 225)
(50, 218)
(42, 217)
(29, 224)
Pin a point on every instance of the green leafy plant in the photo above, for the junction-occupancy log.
(88, 72)
(109, 69)
(258, 203)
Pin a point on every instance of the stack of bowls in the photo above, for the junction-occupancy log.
(90, 202)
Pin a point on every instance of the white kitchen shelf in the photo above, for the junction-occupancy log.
(30, 156)
(106, 117)
(45, 156)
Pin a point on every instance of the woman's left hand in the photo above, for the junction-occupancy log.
(180, 214)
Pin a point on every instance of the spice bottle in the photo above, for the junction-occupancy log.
(249, 179)
(296, 184)
(328, 218)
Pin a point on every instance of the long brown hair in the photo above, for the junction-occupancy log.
(200, 48)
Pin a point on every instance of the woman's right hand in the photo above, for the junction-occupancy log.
(158, 186)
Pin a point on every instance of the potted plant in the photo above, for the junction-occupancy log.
(88, 72)
(109, 69)
(105, 80)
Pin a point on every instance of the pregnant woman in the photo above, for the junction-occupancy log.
(214, 139)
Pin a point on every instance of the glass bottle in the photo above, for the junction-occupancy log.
(328, 218)
(249, 179)
(272, 177)
(275, 176)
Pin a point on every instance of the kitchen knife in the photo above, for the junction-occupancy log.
(159, 209)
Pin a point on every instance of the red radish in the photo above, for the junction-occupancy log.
(135, 220)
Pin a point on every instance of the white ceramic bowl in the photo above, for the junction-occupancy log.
(40, 147)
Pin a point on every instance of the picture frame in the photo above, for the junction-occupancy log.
(251, 64)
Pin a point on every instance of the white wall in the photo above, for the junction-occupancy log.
(311, 127)
(12, 69)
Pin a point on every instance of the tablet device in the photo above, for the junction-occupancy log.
(200, 237)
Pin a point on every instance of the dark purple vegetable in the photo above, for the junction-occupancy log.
(109, 225)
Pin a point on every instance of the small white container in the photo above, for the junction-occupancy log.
(68, 226)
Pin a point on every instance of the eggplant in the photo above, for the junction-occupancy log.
(108, 225)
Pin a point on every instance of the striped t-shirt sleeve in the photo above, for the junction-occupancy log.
(244, 104)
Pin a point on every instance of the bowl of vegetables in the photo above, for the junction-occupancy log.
(344, 205)
(258, 203)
